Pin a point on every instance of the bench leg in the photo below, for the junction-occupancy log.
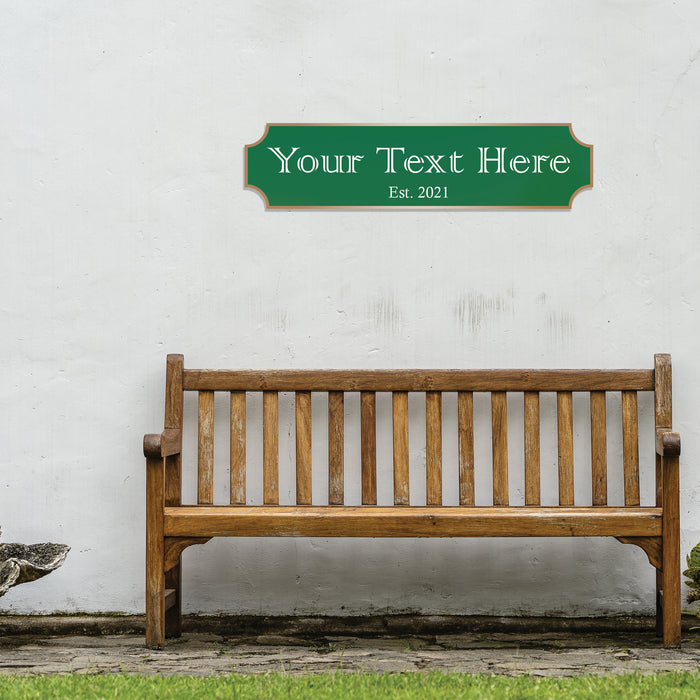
(659, 603)
(155, 557)
(173, 614)
(671, 572)
(671, 603)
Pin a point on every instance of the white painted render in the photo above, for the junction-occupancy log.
(127, 234)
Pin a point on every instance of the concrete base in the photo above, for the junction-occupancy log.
(314, 626)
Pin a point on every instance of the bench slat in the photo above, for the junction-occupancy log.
(565, 433)
(531, 408)
(630, 447)
(499, 439)
(270, 448)
(433, 447)
(302, 403)
(237, 448)
(465, 428)
(411, 521)
(433, 431)
(336, 447)
(400, 423)
(205, 467)
(368, 439)
(420, 380)
(599, 450)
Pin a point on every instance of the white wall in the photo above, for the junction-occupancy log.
(127, 234)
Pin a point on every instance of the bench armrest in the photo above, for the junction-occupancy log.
(165, 444)
(668, 443)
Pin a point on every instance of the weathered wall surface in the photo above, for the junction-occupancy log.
(127, 234)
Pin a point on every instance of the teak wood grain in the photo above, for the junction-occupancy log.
(302, 403)
(336, 448)
(499, 440)
(663, 415)
(671, 572)
(173, 469)
(599, 448)
(171, 526)
(175, 367)
(237, 483)
(662, 391)
(368, 440)
(465, 423)
(400, 421)
(170, 449)
(205, 477)
(271, 494)
(155, 552)
(433, 447)
(565, 431)
(411, 521)
(419, 380)
(531, 411)
(630, 447)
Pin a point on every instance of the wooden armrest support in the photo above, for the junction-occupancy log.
(668, 443)
(165, 444)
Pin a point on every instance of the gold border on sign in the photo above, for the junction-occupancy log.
(589, 185)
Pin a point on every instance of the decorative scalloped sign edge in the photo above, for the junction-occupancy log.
(405, 166)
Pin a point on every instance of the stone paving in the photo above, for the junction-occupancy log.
(203, 654)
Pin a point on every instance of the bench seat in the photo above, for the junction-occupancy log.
(410, 521)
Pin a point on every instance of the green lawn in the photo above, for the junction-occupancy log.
(360, 686)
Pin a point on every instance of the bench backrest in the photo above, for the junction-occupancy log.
(433, 383)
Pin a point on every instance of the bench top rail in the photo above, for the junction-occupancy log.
(480, 380)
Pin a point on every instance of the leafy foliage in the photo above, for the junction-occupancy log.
(692, 573)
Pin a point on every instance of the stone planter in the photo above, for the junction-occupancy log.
(20, 563)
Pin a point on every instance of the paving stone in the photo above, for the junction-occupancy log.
(558, 654)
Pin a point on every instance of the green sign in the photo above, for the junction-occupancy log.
(439, 166)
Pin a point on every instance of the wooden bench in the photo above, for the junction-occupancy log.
(172, 526)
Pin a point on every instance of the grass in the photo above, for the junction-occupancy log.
(351, 686)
